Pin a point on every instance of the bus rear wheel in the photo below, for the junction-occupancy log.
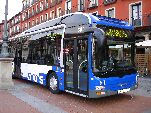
(53, 83)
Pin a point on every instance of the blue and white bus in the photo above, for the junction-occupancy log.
(83, 54)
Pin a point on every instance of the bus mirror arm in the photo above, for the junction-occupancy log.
(101, 42)
(100, 35)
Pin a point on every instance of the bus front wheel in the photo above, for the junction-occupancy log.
(53, 83)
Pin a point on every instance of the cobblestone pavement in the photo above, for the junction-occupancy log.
(10, 104)
(144, 87)
(15, 100)
(27, 97)
(138, 101)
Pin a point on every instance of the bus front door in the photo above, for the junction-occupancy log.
(75, 60)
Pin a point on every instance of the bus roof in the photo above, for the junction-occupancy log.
(113, 22)
(75, 20)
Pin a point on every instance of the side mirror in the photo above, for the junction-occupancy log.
(100, 35)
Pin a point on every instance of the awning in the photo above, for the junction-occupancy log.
(146, 43)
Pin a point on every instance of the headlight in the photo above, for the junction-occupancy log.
(99, 87)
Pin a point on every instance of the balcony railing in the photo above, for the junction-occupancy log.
(93, 5)
(81, 7)
(30, 15)
(16, 31)
(25, 7)
(32, 2)
(60, 14)
(52, 4)
(26, 17)
(58, 1)
(107, 2)
(18, 21)
(37, 23)
(37, 11)
(137, 22)
(36, 0)
(46, 6)
(145, 21)
(41, 9)
(33, 13)
(68, 11)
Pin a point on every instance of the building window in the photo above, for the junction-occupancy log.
(16, 20)
(33, 22)
(23, 17)
(37, 21)
(106, 2)
(29, 13)
(41, 18)
(32, 2)
(23, 6)
(52, 14)
(19, 18)
(59, 12)
(28, 25)
(52, 3)
(33, 11)
(81, 5)
(93, 3)
(46, 3)
(18, 29)
(110, 12)
(68, 6)
(22, 28)
(25, 14)
(37, 8)
(41, 6)
(25, 26)
(46, 16)
(136, 14)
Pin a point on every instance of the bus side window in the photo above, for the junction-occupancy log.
(24, 53)
(44, 51)
(53, 50)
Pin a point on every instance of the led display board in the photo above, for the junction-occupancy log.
(117, 33)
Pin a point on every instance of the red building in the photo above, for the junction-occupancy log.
(34, 12)
(14, 25)
(37, 11)
(1, 30)
(136, 12)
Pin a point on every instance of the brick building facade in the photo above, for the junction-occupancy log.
(1, 30)
(136, 12)
(34, 12)
(14, 25)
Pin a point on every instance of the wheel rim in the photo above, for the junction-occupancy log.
(53, 83)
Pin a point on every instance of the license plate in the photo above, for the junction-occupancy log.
(123, 90)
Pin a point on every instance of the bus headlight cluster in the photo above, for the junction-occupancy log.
(99, 87)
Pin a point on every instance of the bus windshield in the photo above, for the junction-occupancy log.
(115, 57)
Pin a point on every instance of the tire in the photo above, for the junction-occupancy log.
(53, 83)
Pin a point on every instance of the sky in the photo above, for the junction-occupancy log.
(14, 7)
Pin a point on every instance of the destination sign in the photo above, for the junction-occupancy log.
(119, 33)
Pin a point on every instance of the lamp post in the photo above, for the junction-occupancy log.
(4, 49)
(5, 60)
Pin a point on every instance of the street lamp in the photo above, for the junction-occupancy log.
(5, 62)
(4, 50)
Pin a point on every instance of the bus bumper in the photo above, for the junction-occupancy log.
(100, 93)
